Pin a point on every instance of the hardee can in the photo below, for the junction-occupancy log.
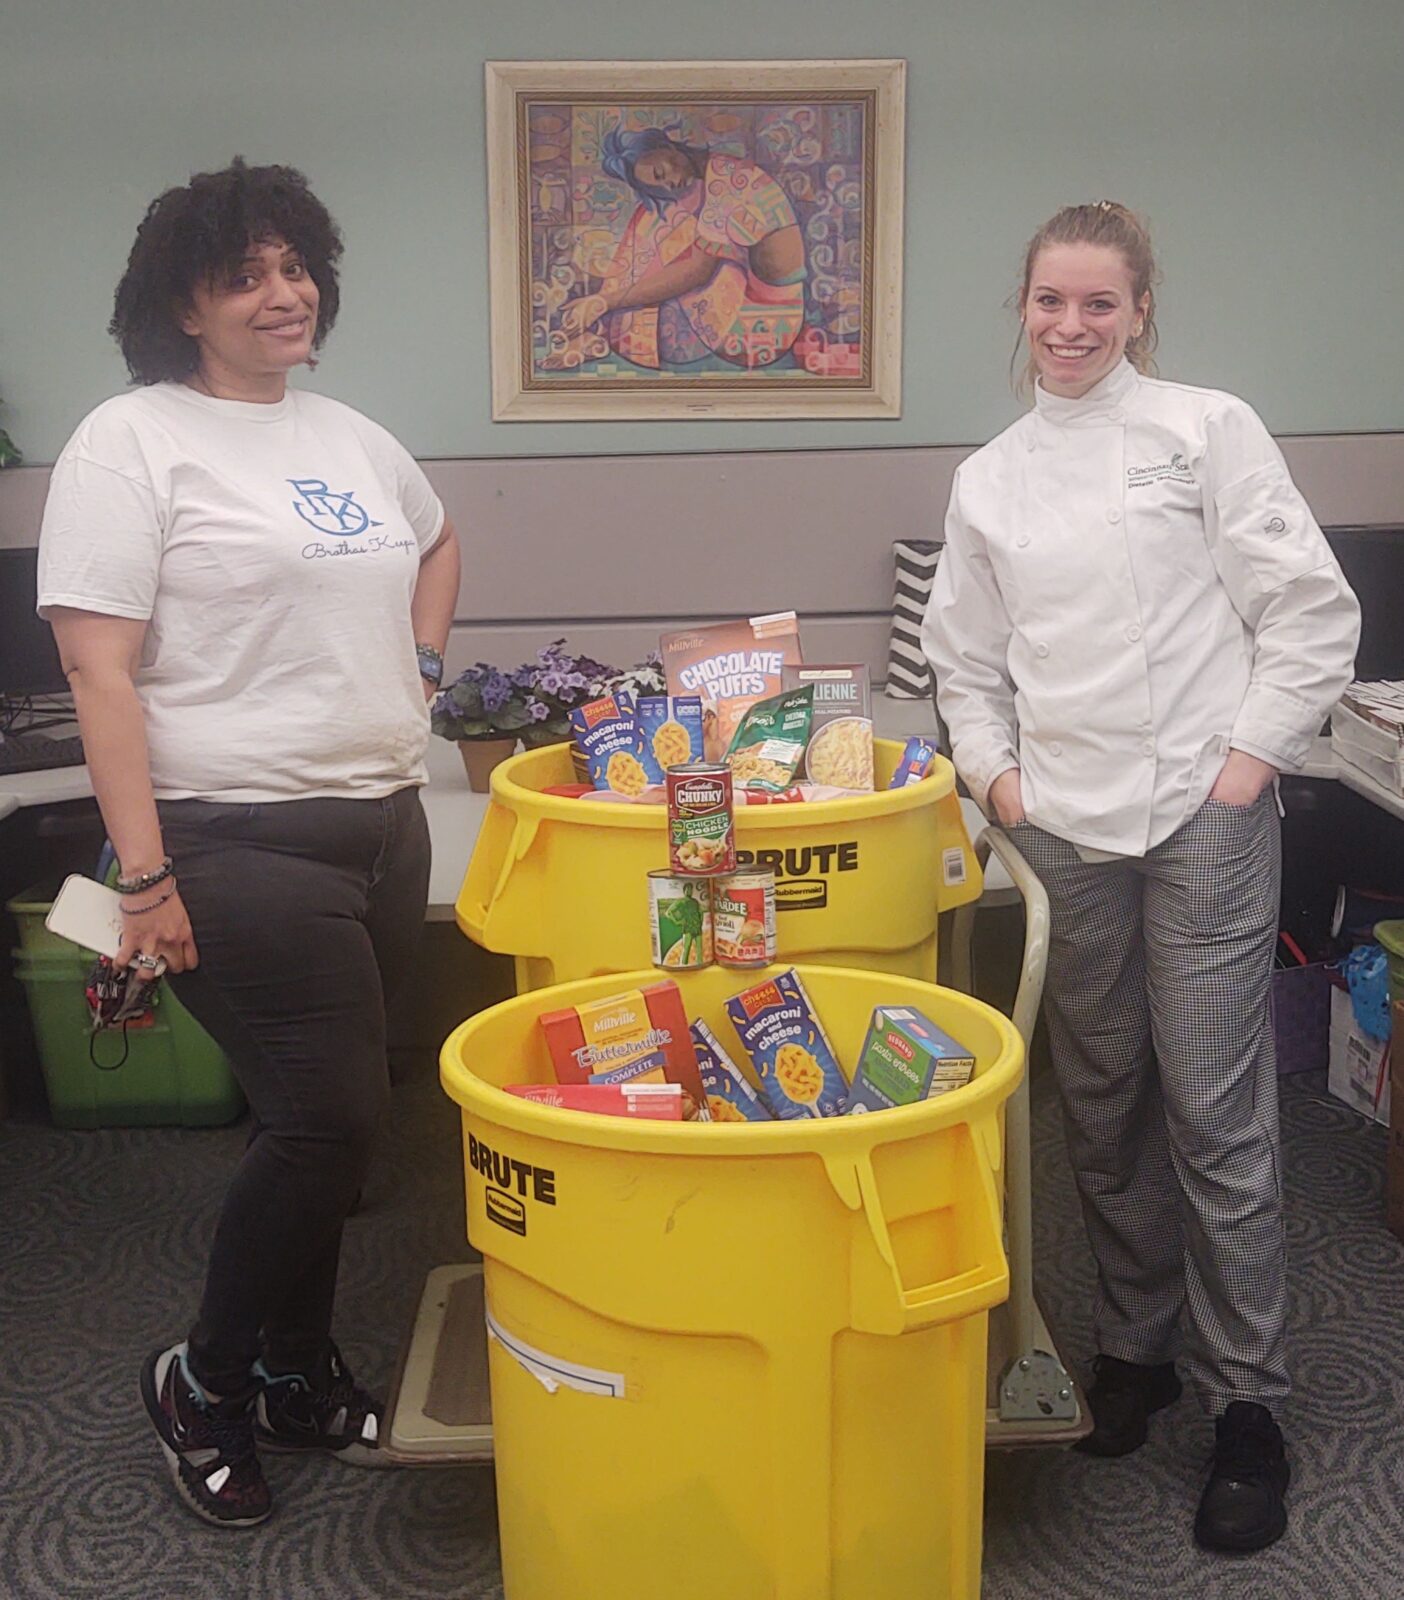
(680, 920)
(743, 919)
(701, 829)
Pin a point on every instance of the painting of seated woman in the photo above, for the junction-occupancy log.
(673, 248)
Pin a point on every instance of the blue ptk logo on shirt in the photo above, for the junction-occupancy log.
(334, 514)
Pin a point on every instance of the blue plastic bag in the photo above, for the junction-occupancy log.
(1367, 975)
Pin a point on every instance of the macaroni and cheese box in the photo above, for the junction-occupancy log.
(670, 732)
(730, 665)
(730, 1097)
(840, 748)
(607, 734)
(651, 1102)
(638, 1036)
(794, 1062)
(918, 758)
(906, 1058)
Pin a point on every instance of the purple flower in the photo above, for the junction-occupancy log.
(550, 681)
(497, 691)
(537, 711)
(575, 680)
(522, 677)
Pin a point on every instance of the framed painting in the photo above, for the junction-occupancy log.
(695, 238)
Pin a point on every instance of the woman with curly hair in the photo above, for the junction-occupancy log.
(251, 586)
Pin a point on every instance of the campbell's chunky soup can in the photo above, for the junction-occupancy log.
(743, 919)
(701, 828)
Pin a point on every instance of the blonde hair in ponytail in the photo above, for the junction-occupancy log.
(1101, 222)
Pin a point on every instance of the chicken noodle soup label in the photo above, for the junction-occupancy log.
(780, 1031)
(701, 827)
(730, 1097)
(670, 732)
(607, 734)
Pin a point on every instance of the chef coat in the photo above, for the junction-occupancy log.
(1131, 586)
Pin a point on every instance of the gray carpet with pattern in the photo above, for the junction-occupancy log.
(101, 1241)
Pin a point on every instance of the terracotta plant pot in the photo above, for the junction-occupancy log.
(480, 756)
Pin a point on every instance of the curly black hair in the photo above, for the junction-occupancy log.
(200, 233)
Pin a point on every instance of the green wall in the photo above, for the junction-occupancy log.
(1263, 137)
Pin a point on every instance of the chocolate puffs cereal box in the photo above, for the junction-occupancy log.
(637, 1036)
(730, 665)
(670, 732)
(607, 735)
(730, 1097)
(906, 1058)
(781, 1032)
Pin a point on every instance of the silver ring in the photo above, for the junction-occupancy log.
(149, 963)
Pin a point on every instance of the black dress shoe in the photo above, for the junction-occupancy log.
(1243, 1506)
(1122, 1396)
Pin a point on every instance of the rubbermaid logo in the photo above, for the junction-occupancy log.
(506, 1211)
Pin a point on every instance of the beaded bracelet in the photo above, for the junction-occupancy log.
(137, 911)
(146, 880)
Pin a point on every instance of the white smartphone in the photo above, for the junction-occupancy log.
(88, 913)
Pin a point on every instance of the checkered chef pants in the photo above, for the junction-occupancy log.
(1157, 1008)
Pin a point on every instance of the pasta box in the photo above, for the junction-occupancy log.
(906, 1058)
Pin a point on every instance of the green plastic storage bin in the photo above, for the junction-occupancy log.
(174, 1073)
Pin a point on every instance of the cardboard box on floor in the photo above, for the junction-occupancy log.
(1394, 1157)
(1359, 1065)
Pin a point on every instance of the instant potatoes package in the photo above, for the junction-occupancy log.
(730, 665)
(840, 749)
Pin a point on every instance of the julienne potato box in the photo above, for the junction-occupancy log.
(906, 1058)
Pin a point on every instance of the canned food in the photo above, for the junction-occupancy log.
(743, 919)
(680, 920)
(701, 829)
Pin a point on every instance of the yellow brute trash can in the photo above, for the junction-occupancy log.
(737, 1360)
(560, 883)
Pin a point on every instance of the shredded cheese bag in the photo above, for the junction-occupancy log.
(770, 742)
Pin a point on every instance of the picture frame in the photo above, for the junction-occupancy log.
(695, 239)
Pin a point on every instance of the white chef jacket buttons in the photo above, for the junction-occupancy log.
(1113, 515)
(1148, 748)
(1055, 749)
(1133, 633)
(1040, 649)
(1022, 540)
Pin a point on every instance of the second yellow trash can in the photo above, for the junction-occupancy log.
(740, 1361)
(561, 883)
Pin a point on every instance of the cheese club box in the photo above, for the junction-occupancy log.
(906, 1058)
(790, 1053)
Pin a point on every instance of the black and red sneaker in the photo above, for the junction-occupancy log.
(208, 1445)
(321, 1409)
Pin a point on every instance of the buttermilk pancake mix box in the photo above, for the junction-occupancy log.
(730, 665)
(638, 1036)
(906, 1058)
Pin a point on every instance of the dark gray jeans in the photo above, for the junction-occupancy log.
(306, 914)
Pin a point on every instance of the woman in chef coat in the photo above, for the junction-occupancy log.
(1135, 626)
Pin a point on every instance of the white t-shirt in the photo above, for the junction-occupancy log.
(272, 551)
